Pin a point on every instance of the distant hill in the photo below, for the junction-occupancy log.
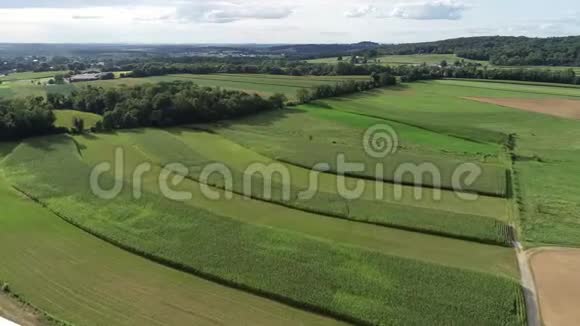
(307, 51)
(500, 50)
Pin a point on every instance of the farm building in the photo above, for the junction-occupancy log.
(85, 77)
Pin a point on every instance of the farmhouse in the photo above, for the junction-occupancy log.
(85, 77)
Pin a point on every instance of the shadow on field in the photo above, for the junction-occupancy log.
(6, 148)
(47, 143)
(373, 92)
(261, 119)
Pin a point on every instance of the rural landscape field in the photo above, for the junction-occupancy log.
(176, 180)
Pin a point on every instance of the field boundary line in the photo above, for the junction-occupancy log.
(526, 274)
(529, 285)
(18, 298)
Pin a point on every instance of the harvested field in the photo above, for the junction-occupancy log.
(563, 108)
(556, 275)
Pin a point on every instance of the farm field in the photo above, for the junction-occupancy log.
(360, 261)
(64, 118)
(49, 270)
(474, 220)
(145, 228)
(27, 76)
(265, 85)
(546, 147)
(556, 272)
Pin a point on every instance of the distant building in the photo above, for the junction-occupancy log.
(85, 77)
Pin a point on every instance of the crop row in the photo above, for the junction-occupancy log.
(348, 283)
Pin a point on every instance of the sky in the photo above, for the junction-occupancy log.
(280, 21)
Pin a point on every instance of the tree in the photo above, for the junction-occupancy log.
(339, 58)
(303, 95)
(78, 125)
(444, 63)
(107, 76)
(278, 100)
(59, 79)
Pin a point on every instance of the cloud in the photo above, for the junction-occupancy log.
(11, 4)
(430, 10)
(227, 12)
(360, 11)
(87, 17)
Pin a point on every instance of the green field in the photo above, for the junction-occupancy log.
(50, 270)
(547, 147)
(265, 85)
(359, 290)
(64, 118)
(396, 260)
(27, 76)
(449, 216)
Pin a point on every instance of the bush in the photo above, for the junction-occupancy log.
(5, 287)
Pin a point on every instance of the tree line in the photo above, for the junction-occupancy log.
(163, 104)
(500, 50)
(472, 71)
(25, 117)
(293, 68)
(346, 87)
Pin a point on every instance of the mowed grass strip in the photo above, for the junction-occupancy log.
(198, 150)
(358, 285)
(80, 279)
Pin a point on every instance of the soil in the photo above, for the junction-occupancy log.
(556, 107)
(557, 277)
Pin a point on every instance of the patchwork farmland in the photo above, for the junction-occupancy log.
(397, 260)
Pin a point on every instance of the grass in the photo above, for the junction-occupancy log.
(27, 76)
(154, 146)
(279, 135)
(547, 147)
(449, 216)
(64, 118)
(516, 89)
(46, 262)
(350, 282)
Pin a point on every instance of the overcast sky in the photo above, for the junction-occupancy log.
(281, 21)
